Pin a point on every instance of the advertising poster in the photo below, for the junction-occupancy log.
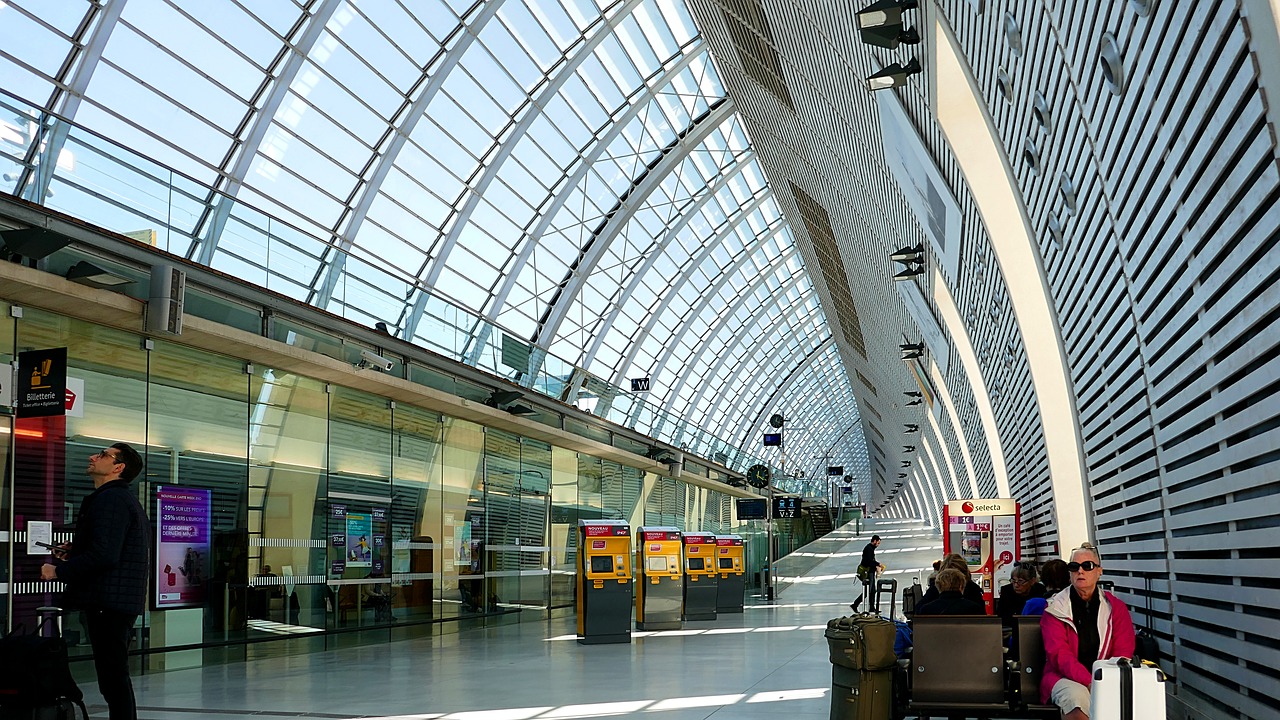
(1004, 546)
(462, 543)
(182, 546)
(359, 540)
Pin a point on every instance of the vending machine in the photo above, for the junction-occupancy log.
(659, 589)
(700, 591)
(604, 581)
(985, 532)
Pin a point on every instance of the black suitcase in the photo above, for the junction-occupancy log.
(35, 676)
(911, 597)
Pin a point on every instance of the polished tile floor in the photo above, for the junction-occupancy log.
(769, 661)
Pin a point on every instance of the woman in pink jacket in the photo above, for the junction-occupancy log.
(1081, 624)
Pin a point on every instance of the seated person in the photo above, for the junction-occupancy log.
(1023, 585)
(971, 589)
(951, 599)
(1081, 624)
(1055, 579)
(374, 596)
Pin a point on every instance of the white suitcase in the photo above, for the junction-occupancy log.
(1122, 691)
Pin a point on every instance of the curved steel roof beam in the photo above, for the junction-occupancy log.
(529, 241)
(34, 186)
(707, 296)
(632, 200)
(505, 142)
(683, 217)
(296, 57)
(327, 277)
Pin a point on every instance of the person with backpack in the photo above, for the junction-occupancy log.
(105, 570)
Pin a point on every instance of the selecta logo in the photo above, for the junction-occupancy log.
(968, 507)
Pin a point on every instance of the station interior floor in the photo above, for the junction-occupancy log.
(770, 661)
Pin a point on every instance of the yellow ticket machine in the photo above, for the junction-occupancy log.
(604, 582)
(699, 576)
(731, 583)
(659, 592)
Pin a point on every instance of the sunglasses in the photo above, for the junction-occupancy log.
(1087, 566)
(106, 454)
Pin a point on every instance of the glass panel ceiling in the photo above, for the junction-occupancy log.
(572, 172)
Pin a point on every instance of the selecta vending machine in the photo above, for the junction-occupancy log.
(985, 532)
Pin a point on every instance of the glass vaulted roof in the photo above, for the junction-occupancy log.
(570, 175)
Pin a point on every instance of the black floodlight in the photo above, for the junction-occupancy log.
(906, 463)
(498, 398)
(911, 351)
(917, 401)
(521, 410)
(908, 272)
(909, 448)
(883, 13)
(909, 255)
(912, 393)
(910, 427)
(889, 36)
(33, 243)
(86, 273)
(894, 75)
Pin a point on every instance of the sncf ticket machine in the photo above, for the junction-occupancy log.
(731, 583)
(659, 592)
(699, 576)
(985, 533)
(604, 582)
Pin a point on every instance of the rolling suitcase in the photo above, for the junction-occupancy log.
(1122, 691)
(911, 597)
(861, 642)
(861, 694)
(35, 677)
(887, 587)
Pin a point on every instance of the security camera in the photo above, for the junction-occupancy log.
(369, 358)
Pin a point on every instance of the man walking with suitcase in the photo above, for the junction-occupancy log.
(105, 570)
(867, 570)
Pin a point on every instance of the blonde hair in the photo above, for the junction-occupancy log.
(956, 561)
(1089, 548)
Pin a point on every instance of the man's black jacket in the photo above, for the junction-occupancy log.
(106, 568)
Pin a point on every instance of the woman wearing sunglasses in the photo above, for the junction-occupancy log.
(1081, 624)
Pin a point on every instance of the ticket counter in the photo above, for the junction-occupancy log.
(731, 578)
(699, 576)
(604, 582)
(659, 591)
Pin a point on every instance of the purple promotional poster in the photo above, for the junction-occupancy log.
(182, 546)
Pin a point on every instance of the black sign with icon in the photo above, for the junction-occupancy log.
(42, 383)
(786, 508)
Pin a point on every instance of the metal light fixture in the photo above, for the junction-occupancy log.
(521, 410)
(910, 427)
(884, 13)
(86, 273)
(911, 351)
(894, 75)
(498, 398)
(33, 243)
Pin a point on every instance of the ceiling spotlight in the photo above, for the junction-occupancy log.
(910, 427)
(917, 401)
(86, 273)
(906, 463)
(911, 351)
(902, 475)
(909, 448)
(912, 393)
(894, 75)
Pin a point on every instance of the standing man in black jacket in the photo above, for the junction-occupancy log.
(105, 570)
(871, 568)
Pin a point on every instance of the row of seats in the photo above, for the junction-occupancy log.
(959, 667)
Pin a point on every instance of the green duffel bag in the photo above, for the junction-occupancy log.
(862, 642)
